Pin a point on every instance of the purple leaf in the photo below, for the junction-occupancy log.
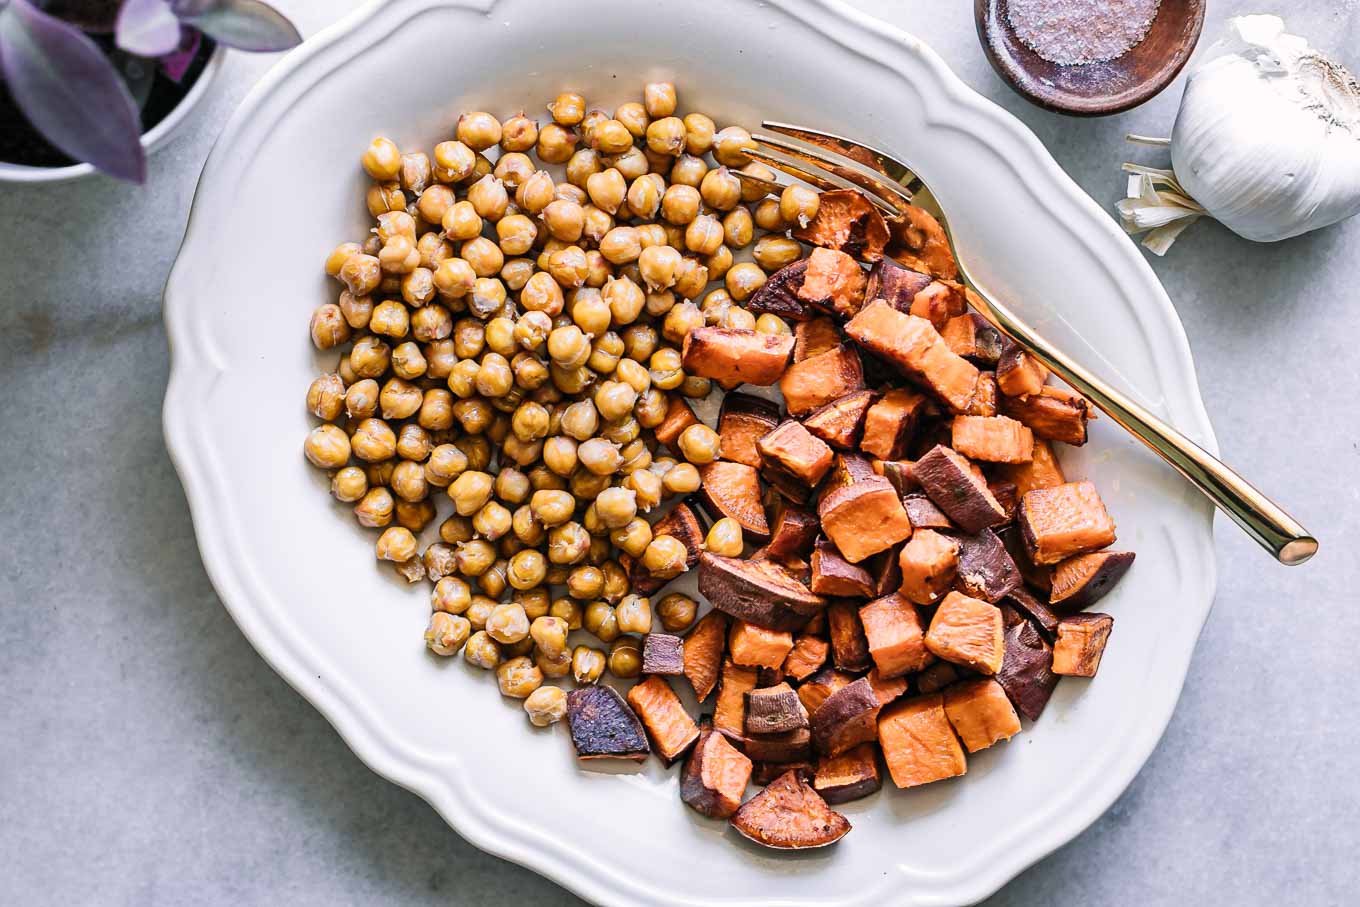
(243, 24)
(147, 28)
(69, 91)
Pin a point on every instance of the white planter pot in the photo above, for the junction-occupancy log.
(152, 139)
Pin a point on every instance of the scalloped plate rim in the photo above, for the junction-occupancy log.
(381, 754)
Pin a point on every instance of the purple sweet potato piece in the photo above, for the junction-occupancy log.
(603, 726)
(1027, 672)
(663, 653)
(986, 570)
(1081, 581)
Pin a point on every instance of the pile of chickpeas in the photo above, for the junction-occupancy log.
(509, 340)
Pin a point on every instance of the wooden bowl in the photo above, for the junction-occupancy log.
(1092, 89)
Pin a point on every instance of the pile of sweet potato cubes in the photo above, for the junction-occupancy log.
(924, 563)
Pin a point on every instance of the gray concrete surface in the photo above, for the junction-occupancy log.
(149, 756)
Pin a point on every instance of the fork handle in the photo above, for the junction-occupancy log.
(1263, 519)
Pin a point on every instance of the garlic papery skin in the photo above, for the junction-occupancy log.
(1267, 139)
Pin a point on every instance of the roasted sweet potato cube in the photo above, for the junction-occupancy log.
(703, 653)
(967, 631)
(1006, 496)
(1027, 673)
(669, 726)
(753, 646)
(973, 337)
(847, 222)
(850, 776)
(914, 346)
(679, 416)
(814, 336)
(680, 523)
(794, 449)
(886, 570)
(819, 379)
(789, 815)
(849, 647)
(919, 743)
(733, 356)
(1062, 521)
(779, 294)
(815, 690)
(993, 439)
(887, 689)
(764, 773)
(774, 710)
(1080, 644)
(956, 489)
(663, 653)
(890, 424)
(1041, 472)
(729, 710)
(1081, 581)
(936, 677)
(833, 575)
(848, 469)
(840, 423)
(980, 713)
(986, 569)
(897, 640)
(864, 518)
(715, 776)
(743, 420)
(918, 241)
(1022, 600)
(846, 719)
(786, 746)
(761, 592)
(1018, 373)
(833, 282)
(929, 563)
(986, 396)
(794, 530)
(939, 303)
(603, 726)
(923, 513)
(808, 654)
(733, 490)
(1054, 413)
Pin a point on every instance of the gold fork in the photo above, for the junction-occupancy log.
(829, 162)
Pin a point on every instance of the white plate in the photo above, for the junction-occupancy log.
(282, 187)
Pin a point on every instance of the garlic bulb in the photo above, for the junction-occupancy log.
(1267, 141)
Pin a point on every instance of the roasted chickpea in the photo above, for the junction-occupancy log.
(453, 162)
(798, 204)
(382, 160)
(341, 254)
(625, 657)
(555, 144)
(720, 189)
(730, 146)
(329, 327)
(396, 544)
(565, 219)
(384, 197)
(658, 265)
(454, 278)
(552, 507)
(598, 617)
(483, 255)
(683, 478)
(326, 397)
(699, 444)
(743, 280)
(666, 136)
(680, 204)
(658, 98)
(607, 190)
(665, 556)
(478, 130)
(681, 321)
(546, 705)
(327, 447)
(695, 387)
(568, 108)
(704, 235)
(676, 611)
(447, 633)
(611, 137)
(599, 456)
(587, 664)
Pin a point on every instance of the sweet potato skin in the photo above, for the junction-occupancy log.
(715, 776)
(849, 647)
(1027, 672)
(846, 719)
(789, 815)
(779, 294)
(852, 775)
(794, 533)
(816, 335)
(967, 631)
(663, 653)
(919, 242)
(1084, 579)
(733, 356)
(668, 725)
(949, 481)
(895, 284)
(774, 710)
(840, 423)
(1060, 522)
(833, 576)
(980, 713)
(918, 742)
(757, 591)
(603, 726)
(847, 222)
